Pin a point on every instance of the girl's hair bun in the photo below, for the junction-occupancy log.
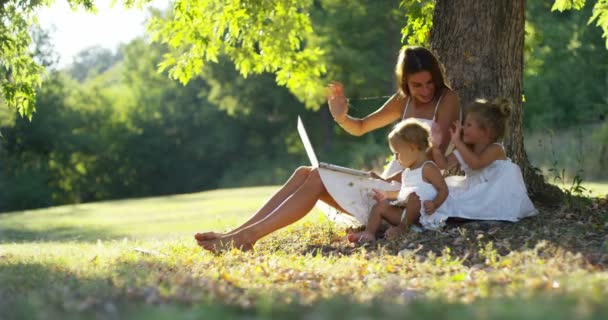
(504, 106)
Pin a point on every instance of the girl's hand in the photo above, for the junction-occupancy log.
(429, 207)
(456, 132)
(338, 106)
(379, 195)
(436, 135)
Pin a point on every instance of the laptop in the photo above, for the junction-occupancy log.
(313, 157)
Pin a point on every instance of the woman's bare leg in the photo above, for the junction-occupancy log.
(298, 177)
(292, 209)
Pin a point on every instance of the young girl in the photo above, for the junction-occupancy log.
(493, 187)
(423, 188)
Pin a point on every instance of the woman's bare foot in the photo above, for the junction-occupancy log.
(206, 236)
(226, 242)
(361, 237)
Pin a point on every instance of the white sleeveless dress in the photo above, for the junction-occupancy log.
(412, 182)
(496, 192)
(353, 193)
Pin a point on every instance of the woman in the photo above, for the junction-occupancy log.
(423, 94)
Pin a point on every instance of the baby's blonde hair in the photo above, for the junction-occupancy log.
(492, 116)
(412, 131)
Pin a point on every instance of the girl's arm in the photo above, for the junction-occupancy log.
(475, 161)
(338, 106)
(442, 161)
(432, 175)
(479, 161)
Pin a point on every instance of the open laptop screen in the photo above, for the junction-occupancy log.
(309, 150)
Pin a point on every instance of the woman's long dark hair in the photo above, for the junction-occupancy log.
(415, 59)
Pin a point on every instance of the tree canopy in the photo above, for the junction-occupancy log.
(258, 36)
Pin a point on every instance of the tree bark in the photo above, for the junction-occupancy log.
(481, 44)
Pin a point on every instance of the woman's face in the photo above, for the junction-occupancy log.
(421, 86)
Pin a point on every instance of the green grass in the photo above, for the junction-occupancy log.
(136, 259)
(597, 189)
(568, 152)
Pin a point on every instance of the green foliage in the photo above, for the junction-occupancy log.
(259, 36)
(419, 21)
(599, 14)
(562, 5)
(20, 74)
(565, 68)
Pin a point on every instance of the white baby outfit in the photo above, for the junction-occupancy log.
(413, 182)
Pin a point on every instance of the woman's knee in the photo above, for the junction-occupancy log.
(302, 172)
(314, 179)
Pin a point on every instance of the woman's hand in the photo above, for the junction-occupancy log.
(456, 132)
(338, 106)
(379, 195)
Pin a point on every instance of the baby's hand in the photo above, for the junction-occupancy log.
(429, 207)
(379, 195)
(436, 135)
(374, 175)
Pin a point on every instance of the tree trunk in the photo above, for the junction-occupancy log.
(481, 44)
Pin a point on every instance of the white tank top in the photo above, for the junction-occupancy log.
(394, 166)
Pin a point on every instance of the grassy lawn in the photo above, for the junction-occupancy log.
(597, 189)
(136, 259)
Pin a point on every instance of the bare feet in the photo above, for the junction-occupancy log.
(206, 236)
(202, 236)
(226, 242)
(361, 237)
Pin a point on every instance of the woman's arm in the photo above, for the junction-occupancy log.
(432, 175)
(448, 112)
(338, 106)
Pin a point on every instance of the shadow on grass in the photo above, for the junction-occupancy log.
(66, 234)
(146, 290)
(577, 230)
